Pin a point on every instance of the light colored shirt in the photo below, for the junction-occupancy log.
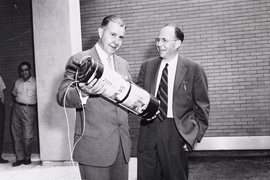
(25, 91)
(104, 57)
(2, 86)
(171, 77)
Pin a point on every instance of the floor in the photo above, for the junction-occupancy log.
(54, 171)
(200, 168)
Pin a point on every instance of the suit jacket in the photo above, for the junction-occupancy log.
(106, 125)
(190, 98)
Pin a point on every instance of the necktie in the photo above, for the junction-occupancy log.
(110, 62)
(162, 94)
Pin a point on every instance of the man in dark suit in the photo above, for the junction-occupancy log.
(102, 138)
(162, 152)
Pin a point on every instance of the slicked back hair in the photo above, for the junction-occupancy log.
(113, 18)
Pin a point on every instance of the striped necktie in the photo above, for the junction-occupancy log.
(162, 94)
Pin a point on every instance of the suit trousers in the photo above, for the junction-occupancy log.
(22, 125)
(117, 171)
(163, 156)
(2, 126)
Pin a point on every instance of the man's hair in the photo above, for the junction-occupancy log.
(24, 63)
(113, 18)
(178, 32)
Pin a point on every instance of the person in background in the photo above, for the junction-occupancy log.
(102, 137)
(24, 114)
(2, 118)
(181, 86)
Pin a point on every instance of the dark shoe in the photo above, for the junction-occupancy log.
(26, 162)
(3, 160)
(18, 163)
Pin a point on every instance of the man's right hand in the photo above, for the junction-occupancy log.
(94, 87)
(152, 118)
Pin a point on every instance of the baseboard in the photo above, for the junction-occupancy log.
(234, 143)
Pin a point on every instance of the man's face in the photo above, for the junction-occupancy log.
(111, 37)
(167, 43)
(25, 72)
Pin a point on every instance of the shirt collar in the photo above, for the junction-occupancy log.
(29, 80)
(102, 54)
(171, 63)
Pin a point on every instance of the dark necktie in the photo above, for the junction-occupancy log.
(162, 94)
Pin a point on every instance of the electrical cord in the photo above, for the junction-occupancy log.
(68, 128)
(72, 148)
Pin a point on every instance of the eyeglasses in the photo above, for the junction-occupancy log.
(163, 40)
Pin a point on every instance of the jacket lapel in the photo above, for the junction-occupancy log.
(117, 64)
(120, 67)
(179, 74)
(154, 75)
(93, 53)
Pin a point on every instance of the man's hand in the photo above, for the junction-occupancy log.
(155, 116)
(95, 87)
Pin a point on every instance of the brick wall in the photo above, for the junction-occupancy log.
(229, 38)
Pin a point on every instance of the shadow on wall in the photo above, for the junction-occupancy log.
(53, 124)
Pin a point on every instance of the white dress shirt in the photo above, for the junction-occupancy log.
(171, 77)
(106, 63)
(104, 57)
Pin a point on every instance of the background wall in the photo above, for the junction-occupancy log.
(229, 38)
(16, 45)
(57, 36)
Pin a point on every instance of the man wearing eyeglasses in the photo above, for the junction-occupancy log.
(181, 86)
(24, 114)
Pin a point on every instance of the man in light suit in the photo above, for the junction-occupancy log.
(102, 138)
(162, 152)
